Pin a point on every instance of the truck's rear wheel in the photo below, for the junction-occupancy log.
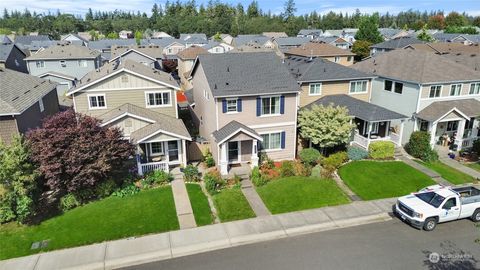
(476, 216)
(430, 224)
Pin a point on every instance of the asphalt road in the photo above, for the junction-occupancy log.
(387, 245)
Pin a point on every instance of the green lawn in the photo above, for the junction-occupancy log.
(299, 193)
(452, 175)
(201, 208)
(475, 166)
(375, 180)
(232, 205)
(150, 211)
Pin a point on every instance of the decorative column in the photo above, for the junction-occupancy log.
(223, 159)
(184, 151)
(254, 159)
(433, 130)
(368, 134)
(460, 131)
(400, 135)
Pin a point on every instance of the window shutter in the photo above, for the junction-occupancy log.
(282, 104)
(239, 105)
(224, 105)
(283, 140)
(259, 107)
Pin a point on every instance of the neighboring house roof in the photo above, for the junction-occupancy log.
(191, 53)
(26, 40)
(159, 122)
(112, 68)
(313, 32)
(291, 41)
(417, 67)
(318, 69)
(327, 39)
(195, 40)
(39, 44)
(58, 75)
(64, 51)
(151, 51)
(6, 50)
(187, 37)
(76, 36)
(231, 129)
(244, 39)
(446, 48)
(161, 34)
(358, 108)
(439, 109)
(396, 43)
(389, 32)
(164, 42)
(275, 35)
(4, 39)
(19, 91)
(318, 49)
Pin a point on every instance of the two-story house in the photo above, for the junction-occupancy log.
(318, 49)
(63, 64)
(12, 57)
(245, 103)
(24, 101)
(186, 59)
(104, 46)
(439, 95)
(149, 55)
(142, 102)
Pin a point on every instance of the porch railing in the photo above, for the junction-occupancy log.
(360, 140)
(365, 142)
(144, 168)
(395, 138)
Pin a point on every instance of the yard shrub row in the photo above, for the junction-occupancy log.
(419, 147)
(381, 150)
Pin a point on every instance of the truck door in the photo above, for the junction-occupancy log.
(450, 210)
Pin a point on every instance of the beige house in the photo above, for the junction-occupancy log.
(245, 103)
(186, 58)
(317, 49)
(142, 102)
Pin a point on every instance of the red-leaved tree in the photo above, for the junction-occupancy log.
(74, 152)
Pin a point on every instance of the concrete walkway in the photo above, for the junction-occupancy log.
(459, 166)
(133, 251)
(182, 205)
(254, 199)
(345, 188)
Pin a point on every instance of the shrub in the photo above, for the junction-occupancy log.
(105, 189)
(356, 153)
(270, 174)
(125, 191)
(333, 162)
(301, 169)
(208, 158)
(317, 171)
(6, 213)
(191, 174)
(309, 156)
(419, 146)
(381, 150)
(157, 177)
(265, 161)
(213, 182)
(257, 179)
(287, 168)
(476, 146)
(68, 202)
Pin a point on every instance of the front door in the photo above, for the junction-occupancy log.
(173, 150)
(233, 152)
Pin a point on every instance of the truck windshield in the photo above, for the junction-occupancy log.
(431, 198)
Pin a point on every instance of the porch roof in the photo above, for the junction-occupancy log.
(438, 109)
(231, 129)
(358, 108)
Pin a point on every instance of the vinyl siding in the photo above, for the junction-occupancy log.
(204, 109)
(72, 68)
(330, 88)
(445, 94)
(343, 60)
(8, 128)
(129, 124)
(290, 140)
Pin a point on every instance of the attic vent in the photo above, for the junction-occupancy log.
(124, 78)
(35, 86)
(15, 98)
(226, 83)
(228, 69)
(215, 86)
(26, 92)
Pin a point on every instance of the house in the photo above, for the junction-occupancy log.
(104, 46)
(318, 49)
(260, 40)
(23, 42)
(125, 34)
(150, 55)
(284, 44)
(437, 94)
(186, 58)
(63, 64)
(335, 41)
(161, 34)
(468, 55)
(346, 33)
(275, 35)
(38, 45)
(75, 39)
(217, 47)
(245, 103)
(228, 39)
(142, 102)
(392, 33)
(310, 33)
(392, 44)
(4, 39)
(193, 39)
(193, 36)
(12, 57)
(25, 100)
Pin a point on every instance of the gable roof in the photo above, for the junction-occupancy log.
(27, 39)
(64, 51)
(6, 50)
(275, 35)
(164, 42)
(19, 91)
(358, 108)
(4, 39)
(231, 129)
(151, 51)
(107, 43)
(306, 32)
(129, 66)
(389, 32)
(417, 67)
(291, 41)
(318, 69)
(191, 53)
(436, 110)
(396, 43)
(76, 36)
(240, 74)
(244, 39)
(318, 49)
(196, 36)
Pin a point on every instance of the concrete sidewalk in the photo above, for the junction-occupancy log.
(132, 251)
(459, 166)
(183, 207)
(257, 204)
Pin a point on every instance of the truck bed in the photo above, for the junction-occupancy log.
(468, 194)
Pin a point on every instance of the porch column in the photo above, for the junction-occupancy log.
(433, 130)
(223, 159)
(167, 156)
(139, 163)
(184, 153)
(460, 131)
(400, 135)
(254, 159)
(368, 134)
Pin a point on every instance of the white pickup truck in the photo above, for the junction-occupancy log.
(436, 204)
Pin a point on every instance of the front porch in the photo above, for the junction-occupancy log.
(367, 132)
(160, 155)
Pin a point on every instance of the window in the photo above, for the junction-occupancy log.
(315, 89)
(474, 89)
(423, 125)
(337, 59)
(97, 101)
(398, 87)
(40, 64)
(452, 125)
(455, 89)
(156, 99)
(358, 87)
(452, 202)
(156, 148)
(63, 63)
(206, 94)
(231, 105)
(170, 50)
(435, 91)
(82, 63)
(349, 58)
(270, 105)
(387, 85)
(40, 104)
(272, 141)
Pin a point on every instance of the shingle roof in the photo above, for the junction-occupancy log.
(26, 40)
(162, 121)
(154, 51)
(107, 43)
(187, 37)
(358, 108)
(5, 50)
(292, 41)
(164, 42)
(4, 39)
(64, 51)
(275, 35)
(416, 67)
(191, 53)
(306, 32)
(105, 70)
(244, 39)
(389, 32)
(38, 44)
(318, 69)
(433, 112)
(77, 36)
(19, 91)
(237, 74)
(397, 43)
(231, 129)
(318, 49)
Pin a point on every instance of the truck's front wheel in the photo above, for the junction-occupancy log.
(476, 216)
(430, 224)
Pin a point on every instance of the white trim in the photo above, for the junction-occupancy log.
(470, 88)
(236, 132)
(430, 90)
(452, 97)
(453, 109)
(216, 111)
(310, 89)
(146, 93)
(56, 75)
(236, 105)
(356, 93)
(126, 89)
(97, 95)
(295, 130)
(163, 131)
(459, 93)
(280, 124)
(239, 152)
(132, 50)
(273, 132)
(279, 105)
(157, 154)
(127, 114)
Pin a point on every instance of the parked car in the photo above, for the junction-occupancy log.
(437, 204)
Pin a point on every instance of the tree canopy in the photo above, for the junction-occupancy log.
(368, 30)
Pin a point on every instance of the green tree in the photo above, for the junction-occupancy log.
(289, 9)
(424, 35)
(326, 126)
(476, 21)
(113, 35)
(253, 10)
(138, 37)
(436, 22)
(368, 30)
(361, 48)
(455, 19)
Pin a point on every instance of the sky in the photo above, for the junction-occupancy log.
(79, 7)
